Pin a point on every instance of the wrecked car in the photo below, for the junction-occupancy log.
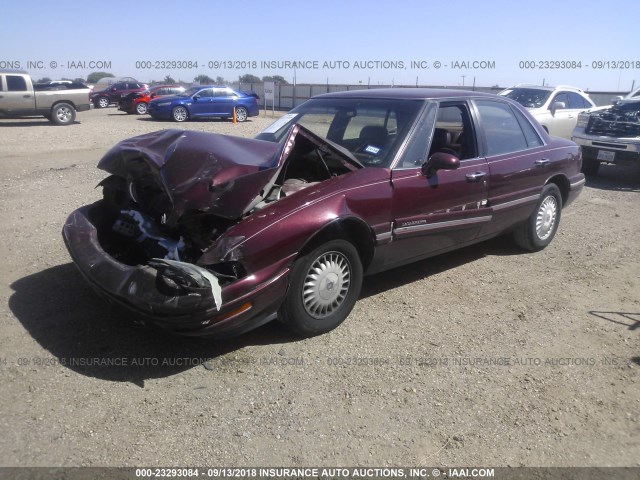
(610, 135)
(207, 234)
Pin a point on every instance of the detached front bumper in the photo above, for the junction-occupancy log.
(246, 303)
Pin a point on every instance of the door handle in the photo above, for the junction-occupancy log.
(475, 177)
(26, 96)
(543, 162)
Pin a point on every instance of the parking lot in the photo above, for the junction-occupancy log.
(487, 356)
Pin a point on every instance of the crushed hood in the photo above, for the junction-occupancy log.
(220, 174)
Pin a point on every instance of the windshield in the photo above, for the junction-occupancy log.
(190, 91)
(371, 129)
(528, 97)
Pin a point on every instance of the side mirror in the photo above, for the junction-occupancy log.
(440, 161)
(557, 106)
(113, 89)
(616, 99)
(196, 97)
(153, 95)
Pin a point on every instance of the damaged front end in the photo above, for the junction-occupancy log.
(620, 121)
(171, 197)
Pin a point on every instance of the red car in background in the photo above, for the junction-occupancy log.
(136, 102)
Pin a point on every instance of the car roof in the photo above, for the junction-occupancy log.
(547, 87)
(404, 93)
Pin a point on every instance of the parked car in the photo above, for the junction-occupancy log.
(556, 108)
(205, 101)
(137, 102)
(20, 97)
(113, 93)
(208, 234)
(610, 134)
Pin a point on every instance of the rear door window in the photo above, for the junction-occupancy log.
(16, 83)
(502, 131)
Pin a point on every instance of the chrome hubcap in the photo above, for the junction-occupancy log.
(104, 102)
(64, 114)
(241, 115)
(142, 108)
(546, 218)
(180, 114)
(326, 284)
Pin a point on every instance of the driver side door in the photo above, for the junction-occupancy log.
(202, 103)
(436, 212)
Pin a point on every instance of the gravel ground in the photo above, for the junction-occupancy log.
(486, 356)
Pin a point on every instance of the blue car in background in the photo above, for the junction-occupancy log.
(204, 101)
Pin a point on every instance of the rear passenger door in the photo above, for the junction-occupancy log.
(223, 101)
(516, 159)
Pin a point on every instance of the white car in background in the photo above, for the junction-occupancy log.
(555, 108)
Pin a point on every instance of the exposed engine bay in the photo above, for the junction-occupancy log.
(165, 208)
(621, 120)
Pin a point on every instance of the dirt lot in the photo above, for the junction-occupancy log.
(487, 356)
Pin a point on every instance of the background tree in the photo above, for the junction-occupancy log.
(248, 78)
(203, 79)
(169, 79)
(220, 80)
(275, 79)
(43, 80)
(95, 76)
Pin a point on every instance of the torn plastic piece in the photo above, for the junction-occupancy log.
(197, 274)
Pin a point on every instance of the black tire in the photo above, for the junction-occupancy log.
(180, 114)
(241, 114)
(101, 102)
(63, 114)
(590, 167)
(538, 231)
(319, 301)
(141, 108)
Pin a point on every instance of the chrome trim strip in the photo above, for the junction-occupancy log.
(579, 183)
(383, 236)
(513, 203)
(448, 223)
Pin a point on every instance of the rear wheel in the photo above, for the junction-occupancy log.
(241, 114)
(63, 114)
(141, 108)
(323, 289)
(538, 231)
(180, 114)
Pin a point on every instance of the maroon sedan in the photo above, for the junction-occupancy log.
(210, 234)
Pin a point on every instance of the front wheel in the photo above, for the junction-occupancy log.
(141, 108)
(63, 114)
(241, 114)
(180, 114)
(102, 102)
(538, 231)
(323, 289)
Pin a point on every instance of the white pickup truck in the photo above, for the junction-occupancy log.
(19, 98)
(610, 134)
